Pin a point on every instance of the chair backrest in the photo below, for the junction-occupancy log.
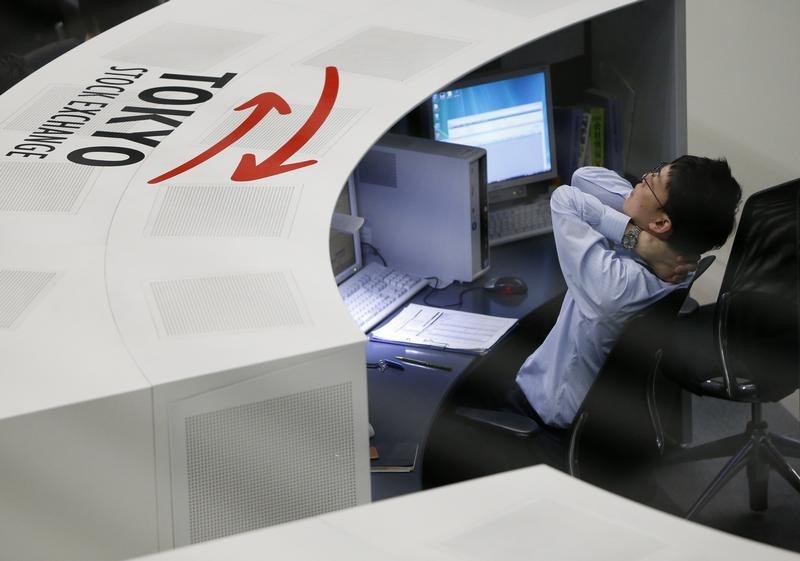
(764, 255)
(757, 308)
(614, 426)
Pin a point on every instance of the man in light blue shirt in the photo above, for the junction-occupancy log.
(620, 248)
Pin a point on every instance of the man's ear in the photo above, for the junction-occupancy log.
(661, 226)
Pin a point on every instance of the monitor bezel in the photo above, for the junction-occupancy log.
(350, 270)
(476, 79)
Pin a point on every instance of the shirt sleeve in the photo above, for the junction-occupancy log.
(605, 184)
(583, 227)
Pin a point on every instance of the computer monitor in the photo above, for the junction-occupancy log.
(345, 247)
(510, 115)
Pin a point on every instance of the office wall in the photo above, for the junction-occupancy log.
(743, 90)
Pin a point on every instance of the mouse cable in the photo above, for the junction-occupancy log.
(458, 304)
(375, 251)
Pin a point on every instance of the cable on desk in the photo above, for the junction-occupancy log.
(375, 251)
(435, 289)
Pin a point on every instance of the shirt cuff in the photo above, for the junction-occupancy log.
(612, 224)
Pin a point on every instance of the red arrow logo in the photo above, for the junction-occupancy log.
(249, 170)
(263, 103)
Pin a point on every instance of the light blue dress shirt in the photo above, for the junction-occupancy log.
(606, 285)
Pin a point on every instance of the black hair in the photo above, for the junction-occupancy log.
(702, 203)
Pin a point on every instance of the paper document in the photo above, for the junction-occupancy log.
(444, 329)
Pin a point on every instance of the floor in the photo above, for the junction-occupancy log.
(678, 486)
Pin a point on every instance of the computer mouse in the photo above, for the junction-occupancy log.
(506, 285)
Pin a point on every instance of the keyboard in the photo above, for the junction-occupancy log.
(376, 291)
(519, 221)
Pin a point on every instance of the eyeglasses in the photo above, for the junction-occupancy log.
(655, 171)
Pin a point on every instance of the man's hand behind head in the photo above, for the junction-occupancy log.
(667, 264)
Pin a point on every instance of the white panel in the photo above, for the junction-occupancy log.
(524, 8)
(571, 534)
(19, 289)
(388, 53)
(184, 46)
(78, 482)
(54, 187)
(264, 445)
(228, 303)
(225, 210)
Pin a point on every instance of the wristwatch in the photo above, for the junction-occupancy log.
(631, 237)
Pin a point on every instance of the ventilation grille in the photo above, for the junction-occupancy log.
(42, 186)
(19, 290)
(524, 8)
(270, 462)
(225, 211)
(224, 304)
(185, 46)
(378, 168)
(388, 53)
(276, 129)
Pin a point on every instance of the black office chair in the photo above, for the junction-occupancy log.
(745, 347)
(612, 438)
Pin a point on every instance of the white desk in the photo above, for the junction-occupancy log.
(131, 309)
(534, 513)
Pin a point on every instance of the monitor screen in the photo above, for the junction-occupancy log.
(345, 248)
(510, 116)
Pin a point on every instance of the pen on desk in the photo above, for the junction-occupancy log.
(423, 363)
(385, 363)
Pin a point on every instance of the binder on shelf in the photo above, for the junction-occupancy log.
(613, 126)
(437, 328)
(583, 138)
(596, 149)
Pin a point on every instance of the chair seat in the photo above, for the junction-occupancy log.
(693, 362)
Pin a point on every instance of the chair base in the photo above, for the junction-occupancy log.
(756, 449)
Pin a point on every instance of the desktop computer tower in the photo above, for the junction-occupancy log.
(425, 206)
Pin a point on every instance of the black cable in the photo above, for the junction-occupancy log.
(375, 251)
(453, 305)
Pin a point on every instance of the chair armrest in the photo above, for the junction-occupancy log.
(517, 424)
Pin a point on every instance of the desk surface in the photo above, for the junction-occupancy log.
(533, 513)
(402, 404)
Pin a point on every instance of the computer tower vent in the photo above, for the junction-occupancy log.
(270, 462)
(184, 46)
(47, 187)
(236, 210)
(378, 168)
(276, 129)
(388, 53)
(223, 304)
(19, 289)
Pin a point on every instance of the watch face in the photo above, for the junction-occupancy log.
(630, 239)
